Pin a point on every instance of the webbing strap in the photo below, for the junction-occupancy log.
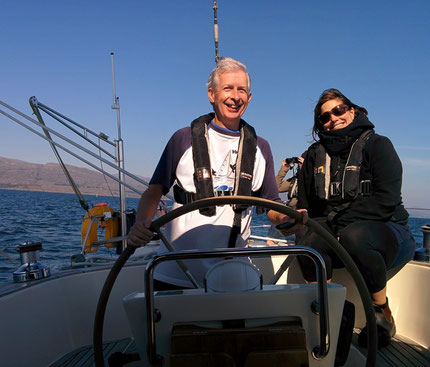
(235, 229)
(202, 166)
(351, 186)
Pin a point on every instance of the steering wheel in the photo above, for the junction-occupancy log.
(248, 201)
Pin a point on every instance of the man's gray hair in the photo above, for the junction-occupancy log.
(226, 64)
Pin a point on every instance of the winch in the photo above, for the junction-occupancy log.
(423, 253)
(31, 268)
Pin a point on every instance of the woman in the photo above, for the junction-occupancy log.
(350, 182)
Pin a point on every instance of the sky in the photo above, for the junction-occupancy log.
(375, 51)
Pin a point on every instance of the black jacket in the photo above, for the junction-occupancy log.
(381, 165)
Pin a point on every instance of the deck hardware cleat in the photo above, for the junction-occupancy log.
(78, 258)
(31, 268)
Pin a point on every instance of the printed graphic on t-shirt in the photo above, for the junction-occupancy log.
(223, 177)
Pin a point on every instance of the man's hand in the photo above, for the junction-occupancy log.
(289, 225)
(140, 234)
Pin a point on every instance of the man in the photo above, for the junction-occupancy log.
(289, 184)
(229, 159)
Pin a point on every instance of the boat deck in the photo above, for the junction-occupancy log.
(84, 356)
(400, 353)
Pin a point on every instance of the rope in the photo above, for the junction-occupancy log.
(9, 257)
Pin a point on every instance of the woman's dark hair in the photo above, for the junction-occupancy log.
(326, 96)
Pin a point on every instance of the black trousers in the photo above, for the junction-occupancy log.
(372, 245)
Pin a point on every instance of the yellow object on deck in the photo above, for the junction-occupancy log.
(96, 218)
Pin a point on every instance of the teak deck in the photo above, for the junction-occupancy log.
(400, 353)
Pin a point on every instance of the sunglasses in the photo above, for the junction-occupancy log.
(337, 111)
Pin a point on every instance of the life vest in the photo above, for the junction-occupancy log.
(244, 167)
(293, 191)
(350, 186)
(96, 218)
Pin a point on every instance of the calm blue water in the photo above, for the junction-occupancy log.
(55, 220)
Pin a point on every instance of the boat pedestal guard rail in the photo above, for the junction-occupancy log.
(319, 352)
(31, 268)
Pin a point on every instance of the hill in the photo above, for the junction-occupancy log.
(20, 175)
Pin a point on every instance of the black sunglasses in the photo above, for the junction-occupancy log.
(337, 111)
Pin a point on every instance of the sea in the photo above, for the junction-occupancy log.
(55, 220)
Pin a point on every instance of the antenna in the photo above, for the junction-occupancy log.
(115, 105)
(215, 7)
(120, 158)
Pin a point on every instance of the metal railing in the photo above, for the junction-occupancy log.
(100, 148)
(319, 351)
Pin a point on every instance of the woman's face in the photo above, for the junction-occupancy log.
(336, 115)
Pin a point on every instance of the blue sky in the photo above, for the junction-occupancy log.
(376, 52)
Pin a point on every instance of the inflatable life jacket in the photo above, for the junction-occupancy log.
(244, 167)
(351, 186)
(101, 215)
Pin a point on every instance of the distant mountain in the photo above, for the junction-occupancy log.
(20, 175)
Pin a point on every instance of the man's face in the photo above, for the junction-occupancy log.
(230, 98)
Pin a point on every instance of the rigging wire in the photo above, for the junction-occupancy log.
(34, 106)
(104, 176)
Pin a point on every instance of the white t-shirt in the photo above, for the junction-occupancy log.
(196, 231)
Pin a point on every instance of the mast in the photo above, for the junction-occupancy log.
(215, 7)
(120, 158)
